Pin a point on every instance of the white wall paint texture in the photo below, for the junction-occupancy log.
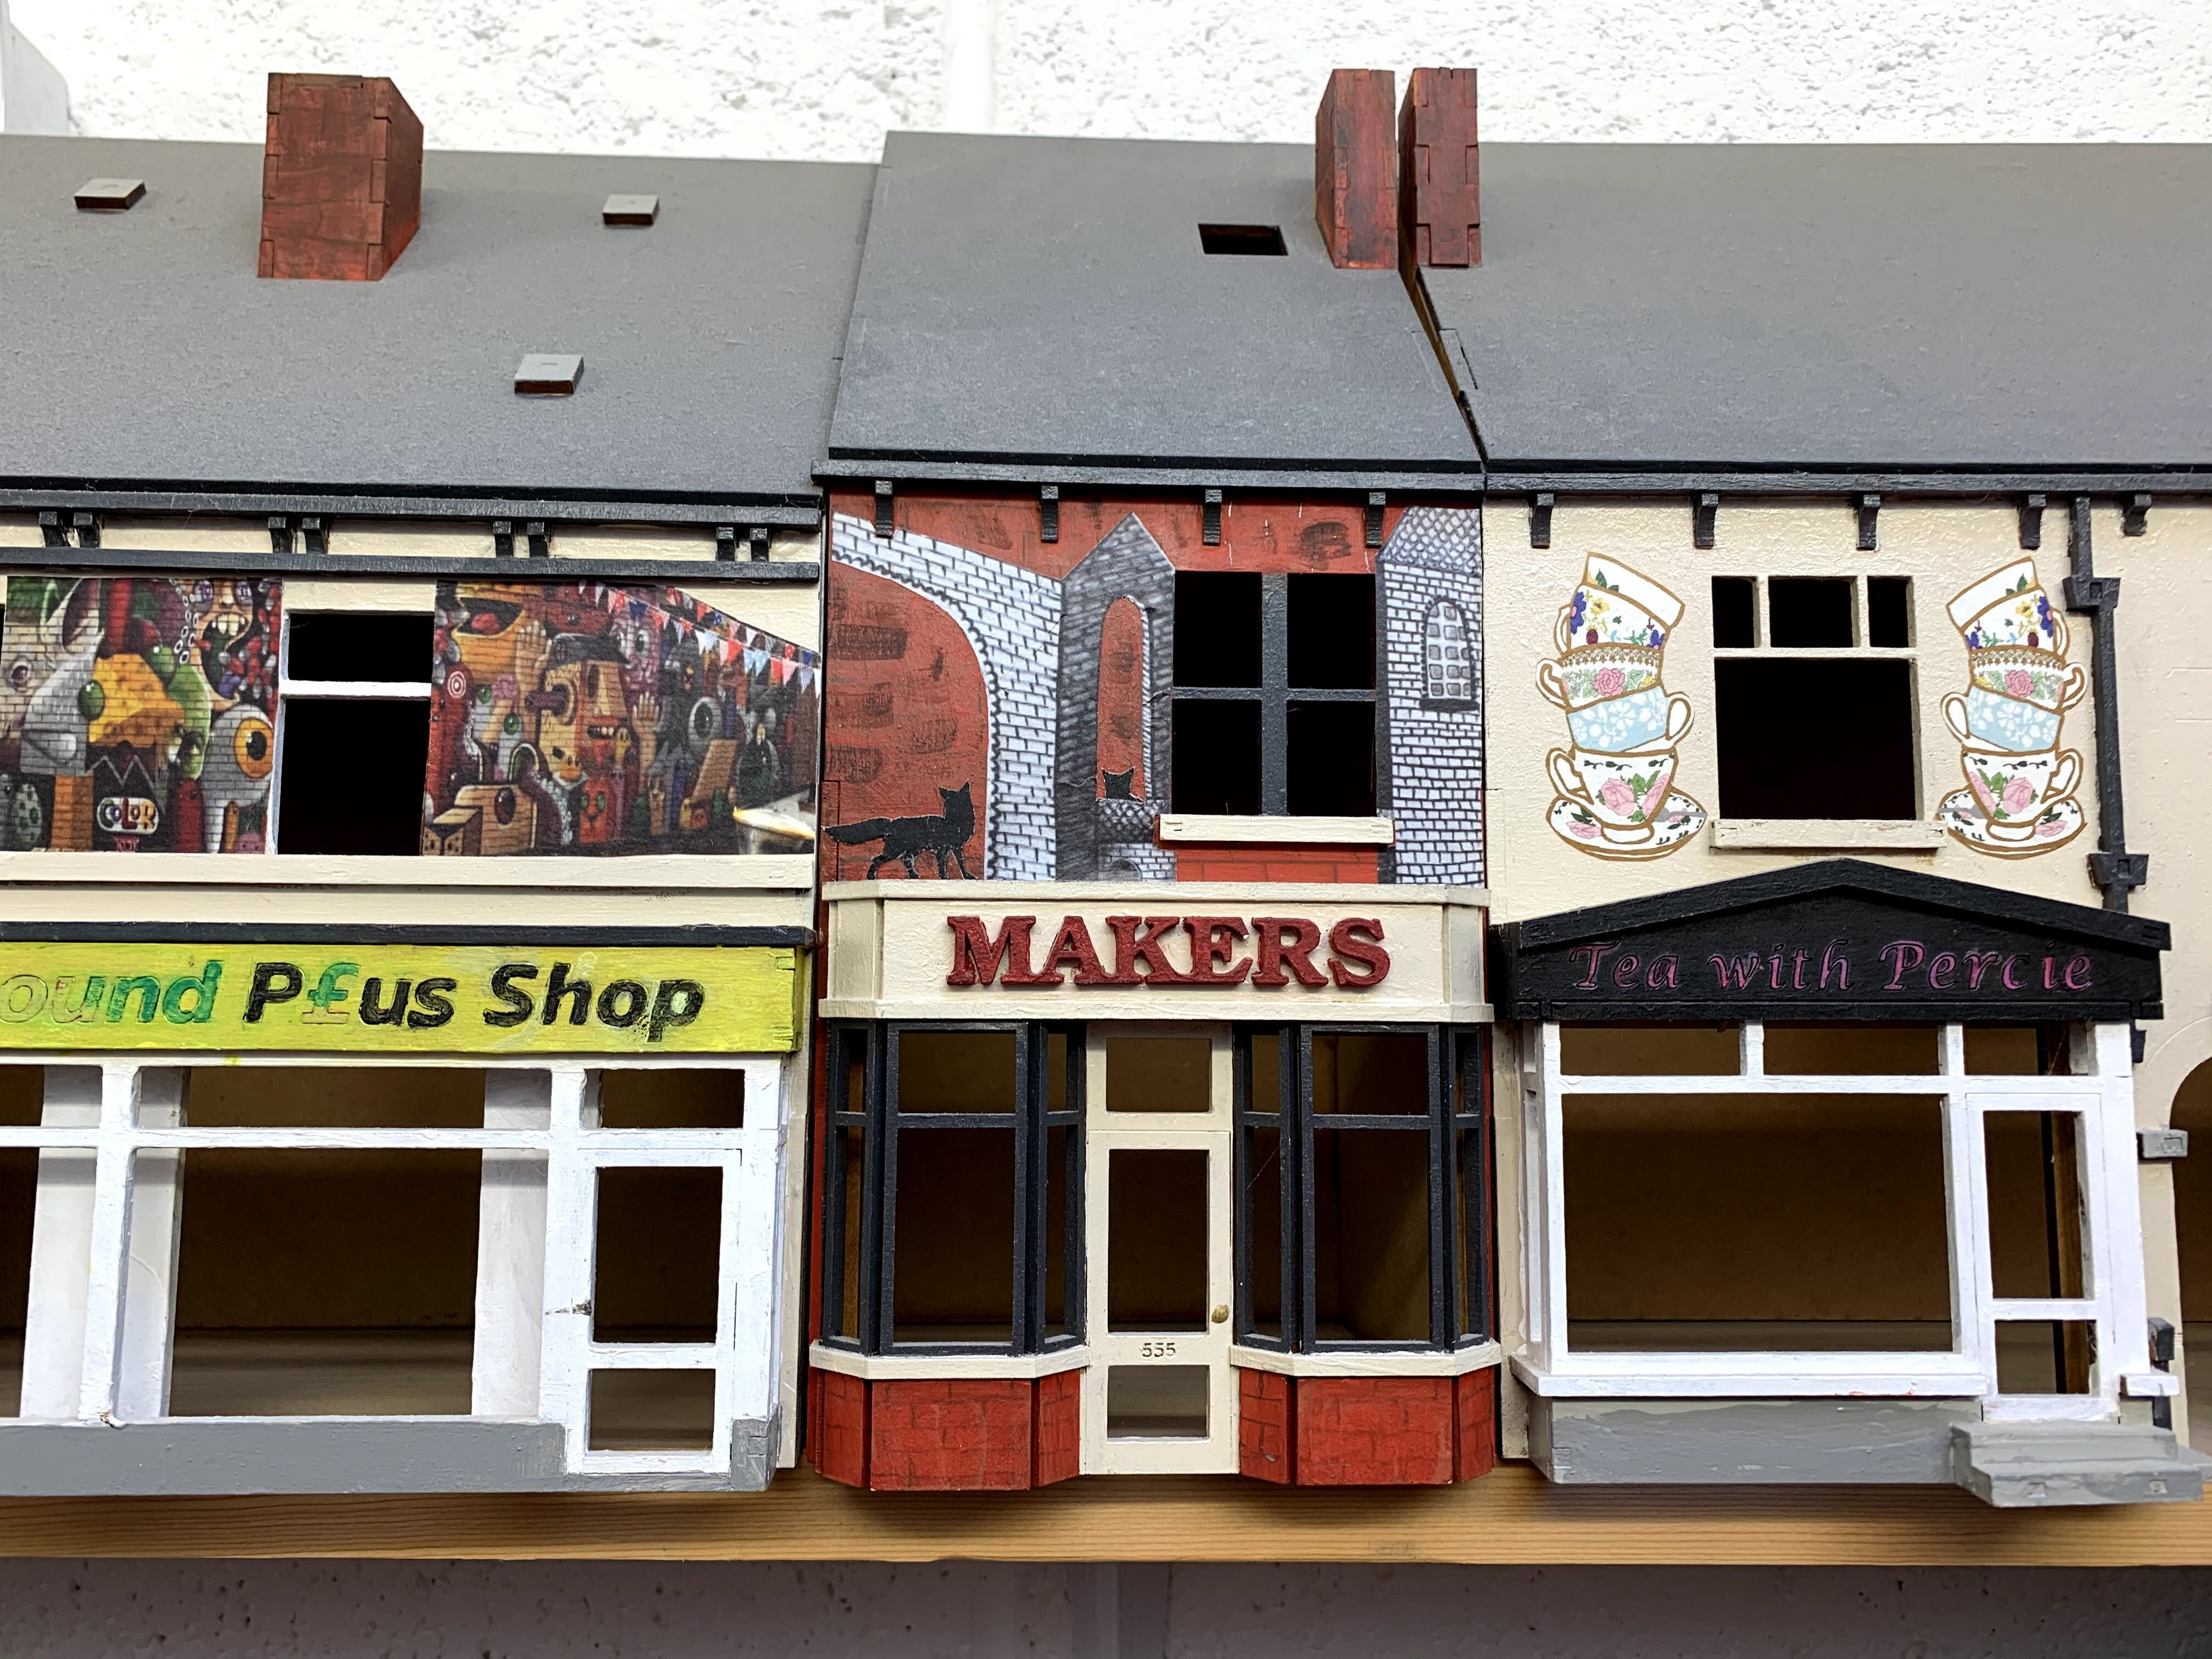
(825, 78)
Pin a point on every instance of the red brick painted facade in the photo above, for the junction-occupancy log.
(1366, 1430)
(838, 1442)
(1264, 1405)
(1317, 864)
(1059, 1449)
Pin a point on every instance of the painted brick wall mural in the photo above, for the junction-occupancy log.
(136, 714)
(1001, 706)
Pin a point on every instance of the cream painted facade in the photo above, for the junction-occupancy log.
(2164, 676)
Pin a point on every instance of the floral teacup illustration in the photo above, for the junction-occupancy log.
(1595, 674)
(1634, 721)
(1996, 721)
(2042, 677)
(2014, 790)
(2008, 607)
(1616, 605)
(1624, 792)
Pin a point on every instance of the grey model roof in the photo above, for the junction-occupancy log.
(141, 346)
(1042, 307)
(1847, 306)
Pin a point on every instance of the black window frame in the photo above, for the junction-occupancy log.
(1457, 1125)
(879, 1124)
(1275, 693)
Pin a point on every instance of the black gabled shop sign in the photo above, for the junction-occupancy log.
(1840, 940)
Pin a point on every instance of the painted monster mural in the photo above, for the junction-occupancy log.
(595, 719)
(136, 713)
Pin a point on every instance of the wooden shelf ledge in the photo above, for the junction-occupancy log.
(1512, 1516)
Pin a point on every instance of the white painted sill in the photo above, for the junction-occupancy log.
(1829, 835)
(747, 873)
(1827, 1374)
(1422, 1362)
(1237, 829)
(882, 1367)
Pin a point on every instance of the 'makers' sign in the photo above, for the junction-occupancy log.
(1834, 941)
(399, 998)
(1269, 951)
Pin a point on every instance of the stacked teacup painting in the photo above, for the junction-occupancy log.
(1616, 785)
(2019, 799)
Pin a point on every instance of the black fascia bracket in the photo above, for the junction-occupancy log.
(1869, 507)
(1539, 520)
(87, 529)
(1210, 518)
(1047, 513)
(883, 509)
(1375, 502)
(2135, 516)
(1704, 513)
(537, 539)
(280, 534)
(51, 533)
(312, 534)
(756, 539)
(725, 543)
(2031, 522)
(502, 538)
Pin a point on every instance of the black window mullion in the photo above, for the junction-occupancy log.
(1475, 1207)
(1442, 1302)
(830, 1271)
(878, 1188)
(1028, 1255)
(1299, 1129)
(1073, 1272)
(1274, 693)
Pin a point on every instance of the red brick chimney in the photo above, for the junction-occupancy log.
(341, 177)
(1356, 169)
(1439, 190)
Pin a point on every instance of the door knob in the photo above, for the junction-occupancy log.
(1221, 1313)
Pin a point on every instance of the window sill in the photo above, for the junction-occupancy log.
(887, 1367)
(751, 873)
(1240, 830)
(1824, 834)
(1759, 1376)
(1411, 1362)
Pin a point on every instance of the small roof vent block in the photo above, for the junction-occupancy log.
(548, 374)
(630, 211)
(109, 195)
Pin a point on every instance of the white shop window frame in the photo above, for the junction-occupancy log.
(2099, 1092)
(126, 1344)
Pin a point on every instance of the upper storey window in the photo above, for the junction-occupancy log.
(1814, 687)
(1274, 694)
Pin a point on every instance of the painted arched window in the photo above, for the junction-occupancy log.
(1447, 658)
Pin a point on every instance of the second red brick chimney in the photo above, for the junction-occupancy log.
(1356, 169)
(1439, 193)
(341, 177)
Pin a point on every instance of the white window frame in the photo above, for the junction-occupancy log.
(288, 689)
(117, 1312)
(2100, 1091)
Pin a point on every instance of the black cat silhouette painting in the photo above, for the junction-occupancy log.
(945, 833)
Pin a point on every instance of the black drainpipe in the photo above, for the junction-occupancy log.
(2112, 867)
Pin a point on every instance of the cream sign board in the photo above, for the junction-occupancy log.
(928, 950)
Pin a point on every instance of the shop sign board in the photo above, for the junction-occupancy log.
(347, 998)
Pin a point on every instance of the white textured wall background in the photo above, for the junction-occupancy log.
(609, 1610)
(825, 78)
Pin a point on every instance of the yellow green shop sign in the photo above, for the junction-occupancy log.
(400, 999)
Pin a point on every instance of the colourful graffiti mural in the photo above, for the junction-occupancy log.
(590, 719)
(135, 714)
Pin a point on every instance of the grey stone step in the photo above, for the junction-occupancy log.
(2038, 1465)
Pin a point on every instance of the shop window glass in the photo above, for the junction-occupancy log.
(1835, 1049)
(2033, 1163)
(2011, 1050)
(2045, 1356)
(320, 1284)
(336, 1097)
(953, 1254)
(672, 1097)
(955, 1072)
(1756, 1222)
(1650, 1050)
(1156, 1402)
(1371, 1236)
(657, 1258)
(354, 733)
(639, 1411)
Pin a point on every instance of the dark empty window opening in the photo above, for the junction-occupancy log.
(354, 718)
(1809, 613)
(1818, 738)
(360, 644)
(1889, 612)
(1274, 705)
(1736, 612)
(1262, 239)
(351, 777)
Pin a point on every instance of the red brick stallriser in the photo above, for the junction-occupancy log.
(1367, 1431)
(945, 1434)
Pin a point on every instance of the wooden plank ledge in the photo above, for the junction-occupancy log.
(1513, 1516)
